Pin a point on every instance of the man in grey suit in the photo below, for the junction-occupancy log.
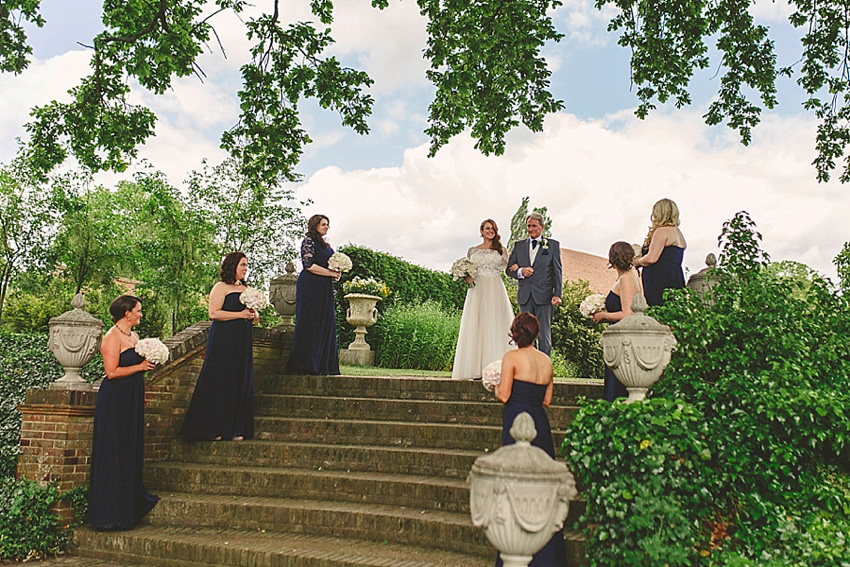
(536, 263)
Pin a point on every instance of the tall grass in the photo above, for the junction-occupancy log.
(419, 336)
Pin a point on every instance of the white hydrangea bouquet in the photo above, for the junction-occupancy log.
(591, 304)
(463, 267)
(339, 262)
(492, 375)
(254, 299)
(153, 350)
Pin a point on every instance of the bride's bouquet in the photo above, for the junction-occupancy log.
(591, 304)
(492, 375)
(153, 350)
(254, 299)
(462, 268)
(339, 262)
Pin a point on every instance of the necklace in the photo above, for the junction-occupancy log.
(120, 330)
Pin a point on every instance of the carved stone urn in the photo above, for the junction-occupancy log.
(361, 313)
(637, 349)
(700, 281)
(282, 296)
(519, 495)
(74, 338)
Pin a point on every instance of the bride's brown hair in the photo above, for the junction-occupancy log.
(496, 244)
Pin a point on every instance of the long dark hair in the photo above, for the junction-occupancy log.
(496, 244)
(228, 267)
(313, 229)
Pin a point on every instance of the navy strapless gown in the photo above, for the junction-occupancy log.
(528, 397)
(314, 347)
(117, 496)
(223, 402)
(613, 388)
(666, 273)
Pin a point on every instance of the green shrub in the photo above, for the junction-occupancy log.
(421, 336)
(577, 337)
(28, 528)
(563, 368)
(26, 363)
(763, 366)
(410, 284)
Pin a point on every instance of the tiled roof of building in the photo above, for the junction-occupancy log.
(583, 266)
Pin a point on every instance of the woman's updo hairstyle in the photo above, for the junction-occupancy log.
(121, 304)
(620, 255)
(524, 329)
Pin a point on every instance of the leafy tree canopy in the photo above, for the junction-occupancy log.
(486, 65)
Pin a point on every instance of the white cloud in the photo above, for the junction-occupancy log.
(599, 184)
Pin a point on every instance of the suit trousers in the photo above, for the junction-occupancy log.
(544, 315)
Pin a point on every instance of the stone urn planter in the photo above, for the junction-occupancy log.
(361, 313)
(519, 495)
(282, 296)
(637, 349)
(74, 338)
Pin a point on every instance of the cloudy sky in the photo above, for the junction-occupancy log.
(596, 166)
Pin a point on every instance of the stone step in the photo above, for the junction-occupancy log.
(449, 463)
(373, 522)
(414, 387)
(437, 411)
(479, 438)
(212, 547)
(403, 490)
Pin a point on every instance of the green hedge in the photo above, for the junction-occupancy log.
(418, 336)
(410, 284)
(742, 455)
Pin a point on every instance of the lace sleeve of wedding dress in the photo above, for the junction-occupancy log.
(504, 256)
(469, 252)
(307, 252)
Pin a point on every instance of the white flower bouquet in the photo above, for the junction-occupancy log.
(492, 375)
(591, 304)
(339, 262)
(463, 267)
(254, 299)
(153, 350)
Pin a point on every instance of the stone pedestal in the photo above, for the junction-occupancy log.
(357, 357)
(361, 313)
(56, 440)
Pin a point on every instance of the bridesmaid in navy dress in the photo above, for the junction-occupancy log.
(314, 348)
(526, 385)
(663, 252)
(117, 496)
(618, 304)
(222, 405)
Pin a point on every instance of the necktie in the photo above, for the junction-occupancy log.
(534, 244)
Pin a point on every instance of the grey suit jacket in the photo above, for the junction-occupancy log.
(546, 281)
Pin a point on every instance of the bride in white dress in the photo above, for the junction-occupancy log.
(487, 312)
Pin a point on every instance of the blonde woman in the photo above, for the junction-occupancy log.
(663, 252)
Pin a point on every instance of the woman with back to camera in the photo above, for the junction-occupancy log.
(618, 304)
(118, 499)
(527, 385)
(222, 405)
(663, 252)
(314, 348)
(487, 312)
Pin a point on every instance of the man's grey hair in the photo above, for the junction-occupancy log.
(536, 216)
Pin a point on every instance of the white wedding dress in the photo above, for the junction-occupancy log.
(487, 317)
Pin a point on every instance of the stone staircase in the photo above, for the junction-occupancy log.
(344, 471)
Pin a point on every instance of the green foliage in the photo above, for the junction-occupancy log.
(419, 336)
(79, 499)
(576, 337)
(842, 267)
(763, 367)
(518, 228)
(14, 51)
(26, 363)
(645, 468)
(28, 528)
(410, 284)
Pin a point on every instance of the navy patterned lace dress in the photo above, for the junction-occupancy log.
(613, 387)
(223, 402)
(528, 397)
(117, 496)
(666, 273)
(314, 348)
